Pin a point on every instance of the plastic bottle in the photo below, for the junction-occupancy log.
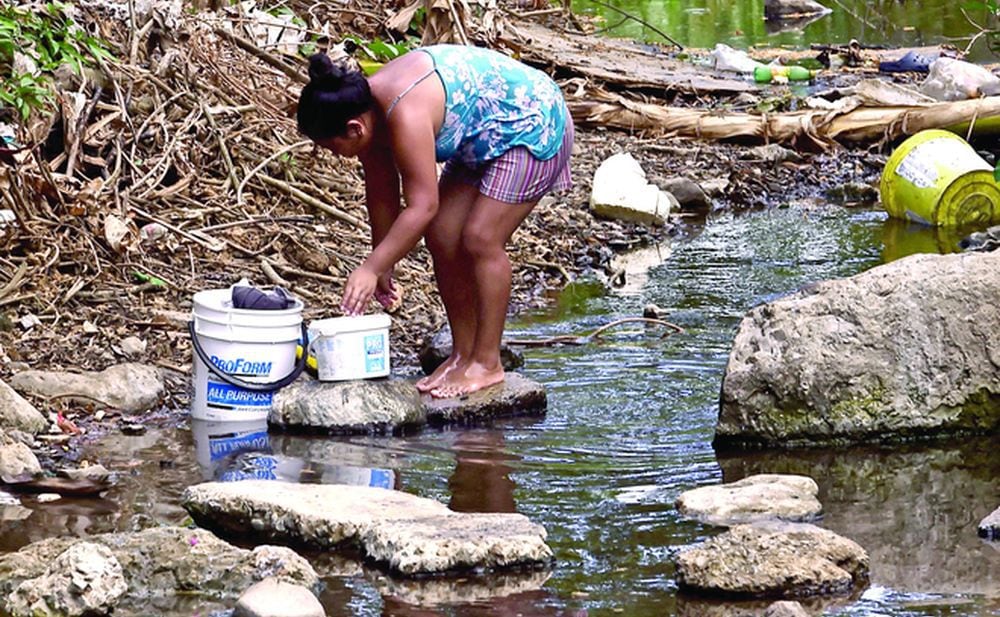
(766, 74)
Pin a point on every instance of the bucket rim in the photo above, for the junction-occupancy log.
(221, 296)
(342, 325)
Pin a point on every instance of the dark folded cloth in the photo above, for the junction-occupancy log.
(911, 61)
(246, 297)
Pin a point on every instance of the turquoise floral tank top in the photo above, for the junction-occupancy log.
(495, 103)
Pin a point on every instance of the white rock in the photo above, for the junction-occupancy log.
(85, 579)
(129, 387)
(132, 346)
(274, 598)
(758, 497)
(620, 190)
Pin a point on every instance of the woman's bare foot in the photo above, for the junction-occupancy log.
(426, 384)
(472, 378)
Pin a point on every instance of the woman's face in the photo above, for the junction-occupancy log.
(354, 142)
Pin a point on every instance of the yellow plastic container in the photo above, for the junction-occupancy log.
(936, 178)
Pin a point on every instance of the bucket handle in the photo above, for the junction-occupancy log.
(232, 380)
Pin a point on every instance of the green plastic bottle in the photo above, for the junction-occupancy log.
(764, 74)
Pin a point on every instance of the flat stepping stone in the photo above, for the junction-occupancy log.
(773, 560)
(385, 405)
(516, 396)
(411, 535)
(989, 527)
(754, 498)
(360, 406)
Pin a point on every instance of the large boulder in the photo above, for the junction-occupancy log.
(758, 497)
(86, 579)
(18, 414)
(163, 561)
(347, 406)
(410, 534)
(906, 349)
(132, 388)
(774, 560)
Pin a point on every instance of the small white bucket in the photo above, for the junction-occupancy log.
(350, 347)
(256, 346)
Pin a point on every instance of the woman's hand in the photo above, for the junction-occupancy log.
(385, 291)
(361, 284)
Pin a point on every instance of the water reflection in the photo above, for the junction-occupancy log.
(481, 480)
(914, 509)
(904, 238)
(233, 451)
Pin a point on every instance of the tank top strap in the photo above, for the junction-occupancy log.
(406, 90)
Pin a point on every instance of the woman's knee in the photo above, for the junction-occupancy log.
(479, 241)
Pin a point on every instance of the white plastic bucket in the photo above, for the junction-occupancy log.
(350, 347)
(256, 346)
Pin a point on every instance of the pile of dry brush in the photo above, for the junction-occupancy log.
(175, 167)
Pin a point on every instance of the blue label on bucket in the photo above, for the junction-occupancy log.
(223, 447)
(223, 394)
(374, 353)
(241, 367)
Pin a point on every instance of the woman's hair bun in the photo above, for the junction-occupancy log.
(324, 73)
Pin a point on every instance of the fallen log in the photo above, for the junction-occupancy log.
(617, 62)
(809, 129)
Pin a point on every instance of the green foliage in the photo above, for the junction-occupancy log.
(381, 51)
(992, 6)
(50, 38)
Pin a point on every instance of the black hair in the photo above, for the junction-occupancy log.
(334, 95)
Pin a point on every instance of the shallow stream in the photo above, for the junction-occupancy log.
(740, 23)
(629, 427)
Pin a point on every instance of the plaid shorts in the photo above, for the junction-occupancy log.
(517, 177)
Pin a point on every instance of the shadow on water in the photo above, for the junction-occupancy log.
(629, 427)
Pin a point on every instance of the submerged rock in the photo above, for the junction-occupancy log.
(902, 350)
(275, 598)
(450, 590)
(18, 414)
(411, 534)
(86, 579)
(773, 559)
(759, 497)
(132, 388)
(989, 527)
(163, 561)
(438, 348)
(347, 406)
(786, 608)
(516, 396)
(792, 9)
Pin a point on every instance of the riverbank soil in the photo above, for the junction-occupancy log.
(173, 166)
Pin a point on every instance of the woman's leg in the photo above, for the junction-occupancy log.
(487, 229)
(444, 240)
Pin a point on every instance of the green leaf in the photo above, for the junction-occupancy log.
(996, 173)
